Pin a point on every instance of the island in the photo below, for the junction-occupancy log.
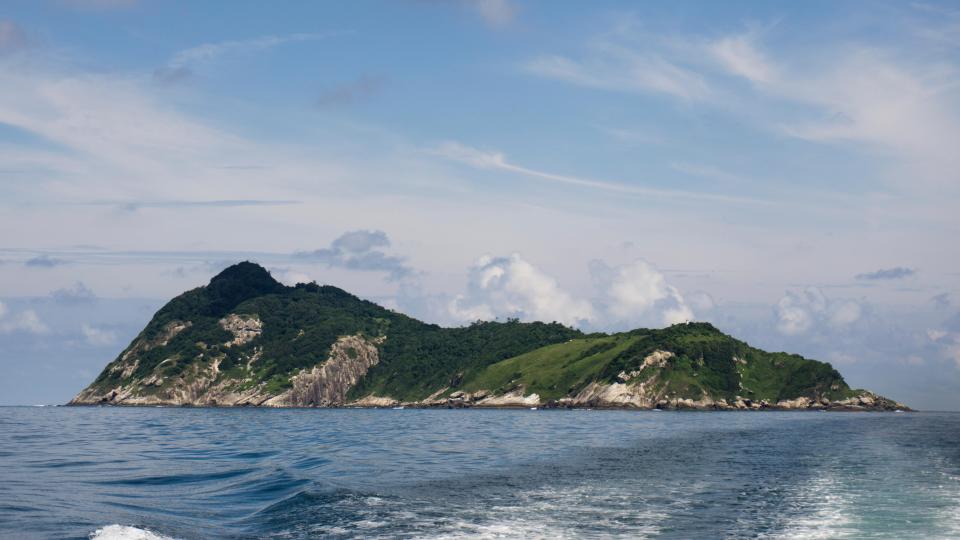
(245, 339)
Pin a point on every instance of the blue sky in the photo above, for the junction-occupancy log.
(785, 170)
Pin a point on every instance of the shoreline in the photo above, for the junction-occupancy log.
(769, 408)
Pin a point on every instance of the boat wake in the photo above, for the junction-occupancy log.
(124, 532)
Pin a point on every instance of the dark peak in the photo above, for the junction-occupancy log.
(240, 282)
(703, 327)
(245, 272)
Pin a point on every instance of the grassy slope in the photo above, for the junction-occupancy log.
(704, 365)
(553, 371)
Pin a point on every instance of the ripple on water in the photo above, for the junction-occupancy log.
(211, 473)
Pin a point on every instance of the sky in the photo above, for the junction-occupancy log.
(788, 171)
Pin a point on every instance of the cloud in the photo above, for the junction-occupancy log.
(12, 37)
(25, 321)
(502, 287)
(481, 159)
(900, 99)
(637, 294)
(808, 310)
(360, 241)
(98, 337)
(740, 56)
(288, 276)
(863, 94)
(898, 272)
(621, 69)
(351, 92)
(133, 206)
(358, 250)
(77, 294)
(496, 13)
(700, 301)
(211, 51)
(44, 261)
(628, 296)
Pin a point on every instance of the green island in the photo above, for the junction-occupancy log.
(247, 340)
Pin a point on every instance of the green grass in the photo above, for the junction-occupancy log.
(553, 371)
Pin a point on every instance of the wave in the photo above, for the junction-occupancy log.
(125, 532)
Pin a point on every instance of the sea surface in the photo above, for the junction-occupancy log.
(154, 473)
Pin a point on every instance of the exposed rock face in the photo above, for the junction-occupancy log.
(612, 395)
(245, 328)
(375, 401)
(656, 359)
(327, 384)
(510, 399)
(636, 396)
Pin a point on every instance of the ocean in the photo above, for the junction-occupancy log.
(159, 473)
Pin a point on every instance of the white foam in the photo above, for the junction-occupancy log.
(557, 513)
(123, 532)
(827, 511)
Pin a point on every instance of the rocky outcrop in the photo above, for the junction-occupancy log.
(656, 359)
(327, 384)
(324, 385)
(245, 328)
(640, 396)
(375, 402)
(510, 399)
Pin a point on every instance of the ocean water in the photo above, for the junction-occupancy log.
(158, 473)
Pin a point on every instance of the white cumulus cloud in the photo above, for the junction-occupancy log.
(512, 287)
(800, 312)
(638, 294)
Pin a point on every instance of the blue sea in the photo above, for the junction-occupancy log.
(158, 473)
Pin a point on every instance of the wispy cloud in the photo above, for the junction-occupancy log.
(740, 56)
(619, 68)
(225, 203)
(211, 51)
(905, 104)
(898, 272)
(497, 161)
(861, 94)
